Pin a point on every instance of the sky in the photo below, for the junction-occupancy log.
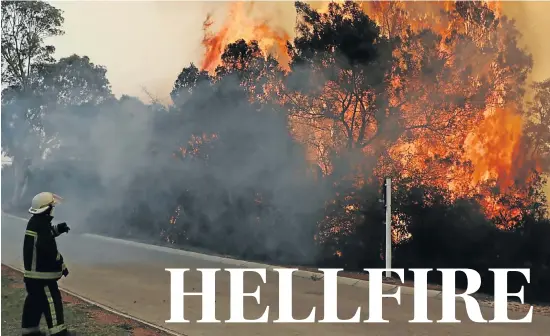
(145, 44)
(532, 21)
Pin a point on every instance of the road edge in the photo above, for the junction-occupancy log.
(386, 288)
(107, 308)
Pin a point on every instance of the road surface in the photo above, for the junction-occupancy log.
(133, 280)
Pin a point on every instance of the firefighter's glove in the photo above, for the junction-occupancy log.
(62, 228)
(65, 272)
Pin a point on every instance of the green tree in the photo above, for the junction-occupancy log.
(25, 26)
(74, 81)
(187, 80)
(73, 91)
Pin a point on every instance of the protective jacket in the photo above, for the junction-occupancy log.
(41, 258)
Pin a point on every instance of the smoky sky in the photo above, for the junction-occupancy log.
(145, 44)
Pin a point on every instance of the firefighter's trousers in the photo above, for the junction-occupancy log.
(43, 297)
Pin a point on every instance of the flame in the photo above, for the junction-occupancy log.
(175, 216)
(493, 153)
(486, 147)
(396, 16)
(240, 25)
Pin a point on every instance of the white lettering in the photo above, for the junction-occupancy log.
(177, 294)
(501, 295)
(330, 299)
(448, 295)
(330, 314)
(420, 295)
(236, 312)
(285, 298)
(376, 293)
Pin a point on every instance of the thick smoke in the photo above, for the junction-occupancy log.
(119, 168)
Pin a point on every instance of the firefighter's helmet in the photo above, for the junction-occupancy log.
(42, 202)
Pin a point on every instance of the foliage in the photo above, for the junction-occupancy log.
(25, 25)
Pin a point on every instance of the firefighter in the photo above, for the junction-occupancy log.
(44, 266)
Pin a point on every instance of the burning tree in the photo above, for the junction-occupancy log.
(245, 195)
(430, 94)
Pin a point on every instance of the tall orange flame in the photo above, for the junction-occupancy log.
(240, 25)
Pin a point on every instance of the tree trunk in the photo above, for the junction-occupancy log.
(21, 176)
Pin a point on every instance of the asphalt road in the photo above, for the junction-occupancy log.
(133, 280)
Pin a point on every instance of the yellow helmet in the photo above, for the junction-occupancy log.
(43, 201)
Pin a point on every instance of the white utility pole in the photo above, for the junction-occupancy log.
(388, 226)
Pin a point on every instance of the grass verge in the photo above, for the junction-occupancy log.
(81, 317)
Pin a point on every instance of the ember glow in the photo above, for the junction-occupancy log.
(463, 131)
